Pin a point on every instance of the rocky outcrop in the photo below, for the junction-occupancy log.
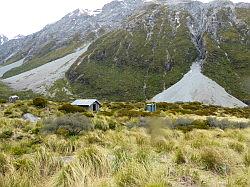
(80, 25)
(194, 86)
(3, 39)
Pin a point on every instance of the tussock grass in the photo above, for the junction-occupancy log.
(157, 150)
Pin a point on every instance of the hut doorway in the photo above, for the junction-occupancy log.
(94, 107)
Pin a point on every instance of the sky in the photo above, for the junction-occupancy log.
(28, 16)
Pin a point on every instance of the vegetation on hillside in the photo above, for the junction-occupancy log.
(228, 56)
(47, 54)
(137, 62)
(114, 148)
(6, 92)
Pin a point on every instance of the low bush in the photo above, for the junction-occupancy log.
(4, 164)
(179, 157)
(226, 123)
(40, 102)
(196, 124)
(132, 113)
(68, 125)
(3, 101)
(6, 134)
(68, 108)
(213, 159)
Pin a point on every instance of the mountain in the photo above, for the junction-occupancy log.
(139, 49)
(3, 39)
(63, 37)
(157, 46)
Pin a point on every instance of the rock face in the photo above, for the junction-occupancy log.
(3, 39)
(194, 86)
(81, 24)
(157, 46)
(140, 48)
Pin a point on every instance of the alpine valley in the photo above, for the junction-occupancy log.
(136, 50)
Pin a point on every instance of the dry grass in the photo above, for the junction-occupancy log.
(125, 151)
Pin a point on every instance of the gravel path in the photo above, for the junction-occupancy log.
(41, 78)
(194, 86)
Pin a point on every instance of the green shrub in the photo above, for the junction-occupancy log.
(132, 113)
(247, 158)
(196, 124)
(179, 157)
(68, 108)
(237, 146)
(4, 165)
(19, 150)
(68, 125)
(3, 101)
(6, 134)
(226, 123)
(106, 113)
(40, 102)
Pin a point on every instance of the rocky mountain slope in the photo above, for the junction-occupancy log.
(3, 39)
(40, 79)
(78, 27)
(156, 47)
(139, 49)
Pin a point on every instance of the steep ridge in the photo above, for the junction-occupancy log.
(157, 46)
(140, 48)
(79, 25)
(42, 78)
(194, 86)
(3, 39)
(149, 53)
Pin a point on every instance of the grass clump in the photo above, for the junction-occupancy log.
(213, 159)
(68, 108)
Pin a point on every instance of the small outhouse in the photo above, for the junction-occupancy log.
(13, 99)
(151, 107)
(89, 104)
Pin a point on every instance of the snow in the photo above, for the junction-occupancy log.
(41, 78)
(195, 86)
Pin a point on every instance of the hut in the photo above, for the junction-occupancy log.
(13, 99)
(89, 104)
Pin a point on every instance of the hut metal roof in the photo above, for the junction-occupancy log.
(85, 102)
